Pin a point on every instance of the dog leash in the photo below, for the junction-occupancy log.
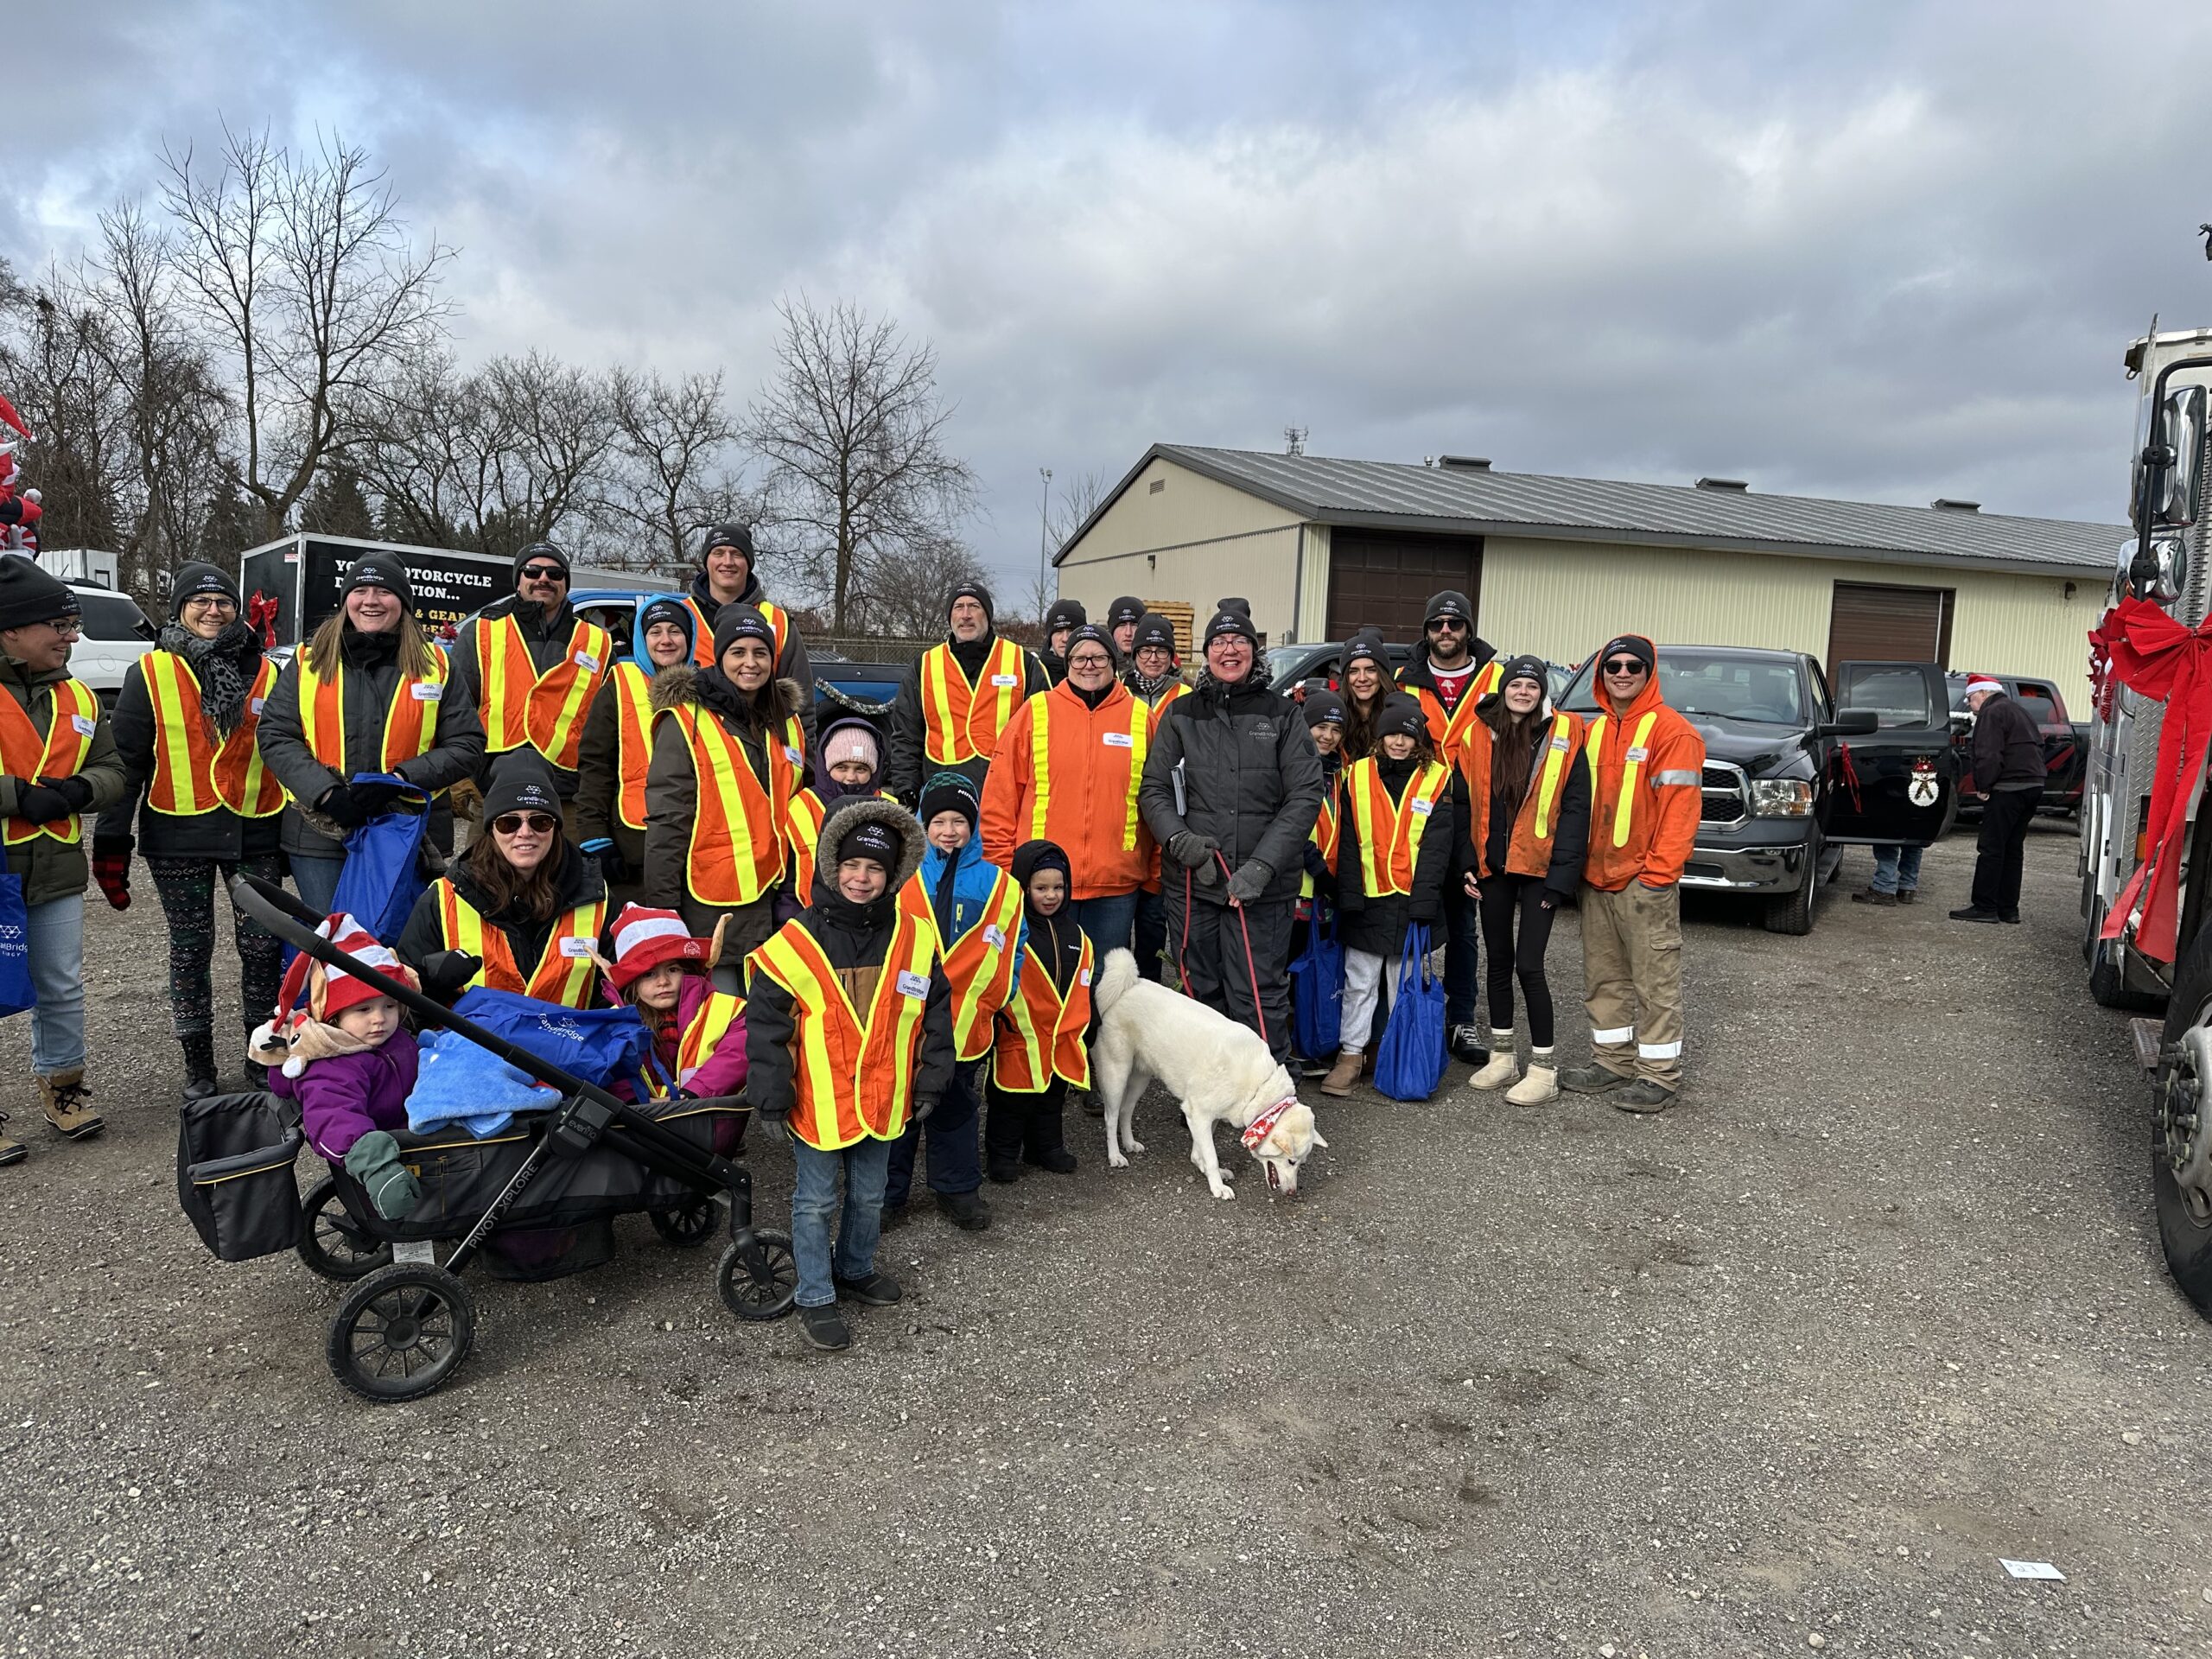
(1251, 969)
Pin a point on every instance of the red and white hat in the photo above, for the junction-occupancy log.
(645, 939)
(331, 991)
(1976, 683)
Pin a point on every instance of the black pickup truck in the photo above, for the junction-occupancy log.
(1792, 775)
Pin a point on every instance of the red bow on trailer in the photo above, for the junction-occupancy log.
(2156, 657)
(261, 616)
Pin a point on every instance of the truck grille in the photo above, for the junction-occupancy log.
(1727, 800)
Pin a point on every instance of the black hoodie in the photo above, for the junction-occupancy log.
(1056, 939)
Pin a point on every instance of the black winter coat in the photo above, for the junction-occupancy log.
(2007, 747)
(217, 834)
(424, 935)
(1377, 925)
(907, 769)
(672, 778)
(372, 676)
(1251, 780)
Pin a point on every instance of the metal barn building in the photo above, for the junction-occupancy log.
(1555, 565)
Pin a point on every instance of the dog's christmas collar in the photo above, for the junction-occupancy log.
(1262, 1125)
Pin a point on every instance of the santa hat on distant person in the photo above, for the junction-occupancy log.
(1982, 683)
(645, 939)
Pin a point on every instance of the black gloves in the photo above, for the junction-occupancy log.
(446, 974)
(1250, 881)
(1190, 850)
(76, 790)
(41, 803)
(337, 803)
(613, 868)
(374, 799)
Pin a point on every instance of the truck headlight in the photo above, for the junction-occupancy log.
(1781, 798)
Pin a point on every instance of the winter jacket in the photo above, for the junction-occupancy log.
(723, 1072)
(372, 676)
(1091, 789)
(599, 760)
(1663, 816)
(856, 938)
(909, 764)
(546, 636)
(346, 1097)
(1418, 680)
(792, 662)
(672, 782)
(1377, 923)
(960, 906)
(54, 869)
(1251, 780)
(1570, 823)
(218, 833)
(578, 883)
(2007, 747)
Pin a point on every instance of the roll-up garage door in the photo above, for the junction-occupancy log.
(1382, 580)
(1868, 624)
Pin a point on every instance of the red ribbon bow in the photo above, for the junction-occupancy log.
(2157, 657)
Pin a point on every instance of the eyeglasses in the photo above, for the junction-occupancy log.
(1089, 659)
(544, 573)
(1624, 666)
(1447, 624)
(68, 627)
(513, 823)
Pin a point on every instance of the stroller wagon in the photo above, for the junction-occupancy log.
(408, 1322)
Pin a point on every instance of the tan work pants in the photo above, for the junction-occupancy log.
(1632, 980)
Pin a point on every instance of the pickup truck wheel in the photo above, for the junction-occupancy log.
(2181, 1127)
(1792, 912)
(2108, 986)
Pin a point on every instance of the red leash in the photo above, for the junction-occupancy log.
(1251, 969)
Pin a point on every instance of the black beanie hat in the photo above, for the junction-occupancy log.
(519, 783)
(949, 792)
(976, 591)
(1233, 617)
(1034, 855)
(872, 840)
(29, 595)
(666, 610)
(1060, 613)
(1153, 629)
(379, 570)
(1525, 667)
(1627, 644)
(1128, 608)
(196, 577)
(1400, 713)
(737, 536)
(1451, 602)
(738, 622)
(1324, 707)
(538, 550)
(1092, 632)
(1368, 645)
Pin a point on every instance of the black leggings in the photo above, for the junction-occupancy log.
(1501, 896)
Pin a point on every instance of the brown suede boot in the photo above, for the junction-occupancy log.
(12, 1151)
(1344, 1073)
(62, 1097)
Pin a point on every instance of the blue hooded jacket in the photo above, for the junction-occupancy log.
(646, 602)
(966, 896)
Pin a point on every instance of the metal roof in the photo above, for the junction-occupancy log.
(1468, 501)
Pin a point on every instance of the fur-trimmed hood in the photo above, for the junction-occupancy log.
(679, 684)
(868, 809)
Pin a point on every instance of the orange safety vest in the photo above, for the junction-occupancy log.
(980, 964)
(737, 839)
(1448, 732)
(411, 725)
(634, 740)
(193, 772)
(961, 723)
(702, 632)
(565, 974)
(59, 754)
(1041, 1032)
(853, 1077)
(1390, 832)
(1134, 747)
(1528, 849)
(519, 705)
(1327, 831)
(705, 1033)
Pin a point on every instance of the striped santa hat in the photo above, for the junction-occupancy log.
(331, 991)
(645, 937)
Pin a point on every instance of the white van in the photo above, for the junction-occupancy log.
(116, 634)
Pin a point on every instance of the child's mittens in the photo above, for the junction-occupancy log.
(374, 1162)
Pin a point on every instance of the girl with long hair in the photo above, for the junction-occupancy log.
(1364, 682)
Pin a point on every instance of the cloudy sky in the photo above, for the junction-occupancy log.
(1881, 251)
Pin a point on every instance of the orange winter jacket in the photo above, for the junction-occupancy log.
(1647, 777)
(1067, 773)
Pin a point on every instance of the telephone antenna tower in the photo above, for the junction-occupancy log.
(1293, 440)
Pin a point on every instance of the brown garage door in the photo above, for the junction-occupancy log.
(1384, 580)
(1867, 624)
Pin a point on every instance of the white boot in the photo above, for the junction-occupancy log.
(1501, 1068)
(1540, 1085)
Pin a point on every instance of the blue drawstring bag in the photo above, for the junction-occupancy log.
(16, 991)
(1410, 1063)
(600, 1046)
(383, 876)
(1317, 988)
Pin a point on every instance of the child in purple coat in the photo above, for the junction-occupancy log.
(349, 1063)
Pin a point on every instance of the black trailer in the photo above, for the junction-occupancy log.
(303, 574)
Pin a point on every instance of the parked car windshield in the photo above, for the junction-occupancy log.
(1758, 690)
(113, 616)
(1897, 696)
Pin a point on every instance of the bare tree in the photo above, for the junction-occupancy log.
(302, 269)
(1077, 502)
(675, 440)
(853, 431)
(904, 590)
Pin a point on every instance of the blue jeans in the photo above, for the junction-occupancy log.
(814, 1197)
(1896, 869)
(316, 880)
(55, 940)
(1107, 921)
(956, 1164)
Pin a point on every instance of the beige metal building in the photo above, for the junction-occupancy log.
(1555, 565)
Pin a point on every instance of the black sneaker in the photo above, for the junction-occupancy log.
(965, 1211)
(877, 1290)
(2011, 917)
(1976, 914)
(1592, 1079)
(1004, 1173)
(1874, 896)
(826, 1328)
(1058, 1159)
(1643, 1096)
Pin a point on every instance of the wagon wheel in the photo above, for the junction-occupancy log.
(769, 1297)
(401, 1332)
(687, 1225)
(332, 1242)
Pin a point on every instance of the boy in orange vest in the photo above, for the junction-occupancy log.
(1044, 1031)
(848, 1035)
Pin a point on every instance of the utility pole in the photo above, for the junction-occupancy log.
(1044, 537)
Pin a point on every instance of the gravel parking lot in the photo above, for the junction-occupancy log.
(1792, 1367)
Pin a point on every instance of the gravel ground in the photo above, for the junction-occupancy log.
(1789, 1366)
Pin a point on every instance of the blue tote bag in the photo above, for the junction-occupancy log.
(1410, 1063)
(16, 991)
(600, 1046)
(1317, 988)
(383, 876)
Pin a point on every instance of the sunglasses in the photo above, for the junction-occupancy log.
(544, 573)
(513, 823)
(1624, 666)
(1449, 624)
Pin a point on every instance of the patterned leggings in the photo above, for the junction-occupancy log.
(186, 887)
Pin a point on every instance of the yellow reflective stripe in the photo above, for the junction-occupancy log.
(1040, 763)
(1140, 742)
(1006, 662)
(583, 685)
(464, 928)
(1596, 741)
(1624, 808)
(173, 747)
(782, 963)
(1548, 789)
(936, 717)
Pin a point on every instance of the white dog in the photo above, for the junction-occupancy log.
(1221, 1072)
